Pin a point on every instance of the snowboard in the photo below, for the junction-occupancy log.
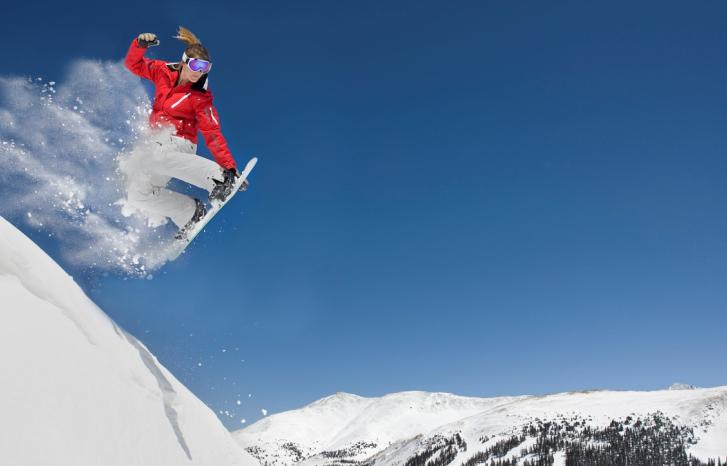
(179, 245)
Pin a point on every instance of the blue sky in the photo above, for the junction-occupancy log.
(482, 197)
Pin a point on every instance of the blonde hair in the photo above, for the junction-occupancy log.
(194, 48)
(187, 36)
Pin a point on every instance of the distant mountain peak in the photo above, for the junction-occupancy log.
(337, 398)
(681, 386)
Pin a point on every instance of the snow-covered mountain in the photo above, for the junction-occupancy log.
(437, 429)
(364, 425)
(76, 390)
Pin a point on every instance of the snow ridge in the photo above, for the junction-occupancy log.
(78, 390)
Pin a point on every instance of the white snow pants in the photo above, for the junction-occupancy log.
(152, 164)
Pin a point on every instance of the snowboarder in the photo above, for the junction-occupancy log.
(182, 107)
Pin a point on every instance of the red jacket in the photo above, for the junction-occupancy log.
(186, 107)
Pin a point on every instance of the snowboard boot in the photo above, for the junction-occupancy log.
(199, 212)
(223, 188)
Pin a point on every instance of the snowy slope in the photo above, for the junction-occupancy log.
(392, 429)
(75, 389)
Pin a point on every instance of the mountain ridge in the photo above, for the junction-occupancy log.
(385, 433)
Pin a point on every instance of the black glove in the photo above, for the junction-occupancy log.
(147, 39)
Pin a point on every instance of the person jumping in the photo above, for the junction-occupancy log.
(182, 107)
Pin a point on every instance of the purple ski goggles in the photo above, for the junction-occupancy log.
(197, 64)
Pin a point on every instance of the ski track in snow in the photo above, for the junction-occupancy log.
(60, 149)
(169, 395)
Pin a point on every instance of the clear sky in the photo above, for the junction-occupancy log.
(479, 197)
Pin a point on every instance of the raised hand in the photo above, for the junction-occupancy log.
(147, 39)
